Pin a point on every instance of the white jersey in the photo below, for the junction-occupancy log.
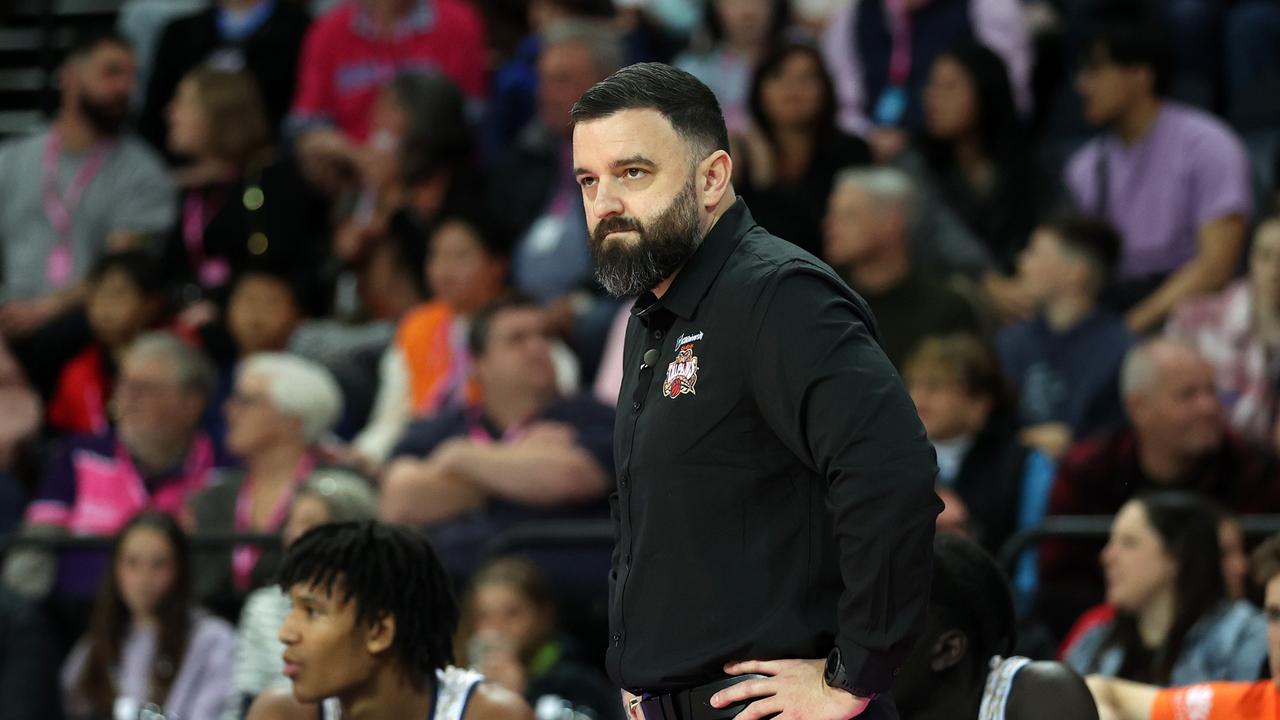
(999, 684)
(453, 689)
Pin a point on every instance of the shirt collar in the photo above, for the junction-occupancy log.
(694, 279)
(420, 19)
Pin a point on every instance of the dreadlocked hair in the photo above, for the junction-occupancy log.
(971, 592)
(385, 570)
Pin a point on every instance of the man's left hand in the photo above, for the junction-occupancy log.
(794, 690)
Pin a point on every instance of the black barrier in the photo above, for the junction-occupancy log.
(196, 541)
(1098, 527)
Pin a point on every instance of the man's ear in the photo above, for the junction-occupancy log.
(948, 650)
(380, 634)
(713, 176)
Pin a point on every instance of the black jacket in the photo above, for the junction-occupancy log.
(270, 55)
(775, 486)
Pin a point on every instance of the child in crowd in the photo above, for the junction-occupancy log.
(126, 297)
(148, 644)
(1065, 361)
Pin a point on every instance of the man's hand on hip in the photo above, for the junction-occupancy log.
(794, 690)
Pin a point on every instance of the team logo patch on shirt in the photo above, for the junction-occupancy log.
(682, 374)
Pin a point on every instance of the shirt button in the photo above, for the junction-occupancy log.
(635, 405)
(622, 481)
(657, 334)
(617, 639)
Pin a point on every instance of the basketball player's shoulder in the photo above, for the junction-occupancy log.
(765, 255)
(491, 701)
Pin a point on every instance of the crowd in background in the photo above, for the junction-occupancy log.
(275, 263)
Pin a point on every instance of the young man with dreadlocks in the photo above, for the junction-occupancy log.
(370, 633)
(961, 668)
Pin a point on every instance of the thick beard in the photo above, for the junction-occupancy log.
(108, 118)
(630, 268)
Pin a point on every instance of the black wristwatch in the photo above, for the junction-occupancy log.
(836, 677)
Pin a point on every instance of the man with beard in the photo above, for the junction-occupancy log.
(774, 504)
(82, 185)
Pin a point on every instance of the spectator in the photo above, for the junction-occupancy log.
(513, 89)
(1256, 700)
(1172, 179)
(1235, 572)
(960, 667)
(72, 191)
(418, 163)
(147, 641)
(974, 153)
(960, 394)
(327, 496)
(240, 207)
(508, 632)
(541, 206)
(260, 37)
(791, 150)
(1174, 623)
(738, 34)
(1175, 439)
(282, 408)
(875, 91)
(429, 367)
(155, 458)
(356, 48)
(1065, 361)
(522, 452)
(126, 297)
(866, 240)
(1238, 332)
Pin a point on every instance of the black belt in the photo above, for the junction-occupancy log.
(694, 703)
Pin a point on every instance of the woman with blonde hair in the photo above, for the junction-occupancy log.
(241, 207)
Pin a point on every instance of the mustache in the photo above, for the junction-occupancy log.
(616, 224)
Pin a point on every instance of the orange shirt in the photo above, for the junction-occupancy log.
(1219, 701)
(437, 362)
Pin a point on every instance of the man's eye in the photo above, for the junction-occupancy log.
(635, 173)
(587, 182)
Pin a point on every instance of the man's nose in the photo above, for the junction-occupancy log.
(607, 203)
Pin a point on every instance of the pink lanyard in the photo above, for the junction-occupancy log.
(245, 557)
(900, 30)
(59, 207)
(480, 436)
(195, 220)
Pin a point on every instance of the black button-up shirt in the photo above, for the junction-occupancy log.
(775, 486)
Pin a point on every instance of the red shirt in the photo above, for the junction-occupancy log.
(343, 65)
(79, 403)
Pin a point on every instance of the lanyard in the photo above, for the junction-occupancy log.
(245, 557)
(196, 216)
(61, 207)
(900, 31)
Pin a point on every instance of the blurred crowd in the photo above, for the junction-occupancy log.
(276, 263)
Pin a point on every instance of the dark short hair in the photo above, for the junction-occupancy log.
(142, 269)
(385, 570)
(972, 593)
(88, 38)
(1133, 43)
(482, 321)
(689, 105)
(1092, 238)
